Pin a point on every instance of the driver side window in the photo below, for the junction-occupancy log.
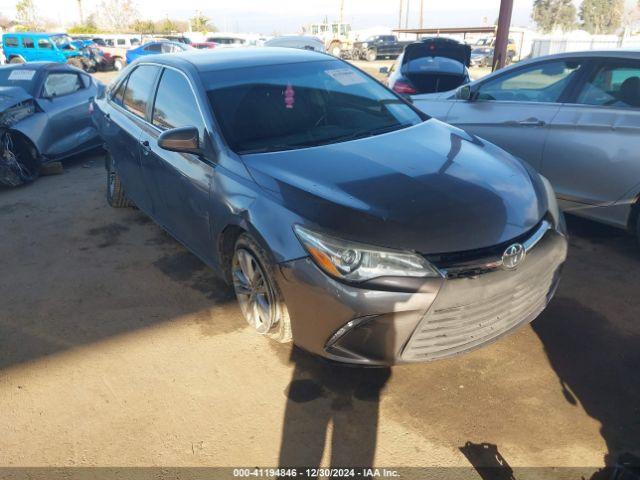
(538, 83)
(58, 84)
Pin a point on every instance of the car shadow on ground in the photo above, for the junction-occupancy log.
(327, 397)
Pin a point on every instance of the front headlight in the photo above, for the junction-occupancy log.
(356, 262)
(365, 45)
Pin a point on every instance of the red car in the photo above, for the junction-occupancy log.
(203, 45)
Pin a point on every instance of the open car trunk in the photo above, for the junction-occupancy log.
(436, 65)
(433, 82)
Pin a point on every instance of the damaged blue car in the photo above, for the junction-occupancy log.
(44, 116)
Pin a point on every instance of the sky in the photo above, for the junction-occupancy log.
(287, 16)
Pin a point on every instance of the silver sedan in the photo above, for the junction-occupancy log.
(575, 117)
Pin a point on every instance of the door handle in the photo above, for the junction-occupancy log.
(146, 147)
(107, 118)
(532, 123)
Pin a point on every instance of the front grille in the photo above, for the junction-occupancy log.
(469, 312)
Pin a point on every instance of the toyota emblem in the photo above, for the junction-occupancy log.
(513, 256)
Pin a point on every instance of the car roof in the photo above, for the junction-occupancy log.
(38, 66)
(33, 34)
(224, 59)
(617, 52)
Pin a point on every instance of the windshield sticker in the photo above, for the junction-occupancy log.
(289, 96)
(21, 74)
(345, 76)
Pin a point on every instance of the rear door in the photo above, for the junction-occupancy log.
(30, 53)
(131, 106)
(179, 182)
(514, 110)
(592, 153)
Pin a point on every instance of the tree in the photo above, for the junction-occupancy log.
(166, 26)
(87, 27)
(201, 23)
(601, 16)
(143, 26)
(550, 15)
(117, 15)
(27, 15)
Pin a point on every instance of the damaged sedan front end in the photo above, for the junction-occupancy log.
(44, 116)
(19, 162)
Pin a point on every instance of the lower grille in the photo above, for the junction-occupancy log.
(469, 312)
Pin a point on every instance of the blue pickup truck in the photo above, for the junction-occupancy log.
(43, 47)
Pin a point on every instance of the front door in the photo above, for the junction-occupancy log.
(514, 110)
(179, 182)
(65, 100)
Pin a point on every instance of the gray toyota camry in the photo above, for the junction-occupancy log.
(347, 220)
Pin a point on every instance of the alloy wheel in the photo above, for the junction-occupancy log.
(254, 292)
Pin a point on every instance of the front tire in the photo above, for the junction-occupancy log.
(15, 60)
(372, 56)
(118, 64)
(115, 191)
(258, 294)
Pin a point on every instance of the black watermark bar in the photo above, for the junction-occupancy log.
(393, 473)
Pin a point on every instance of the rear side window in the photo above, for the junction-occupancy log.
(45, 44)
(139, 86)
(616, 84)
(122, 41)
(154, 47)
(537, 83)
(58, 84)
(176, 105)
(27, 42)
(10, 41)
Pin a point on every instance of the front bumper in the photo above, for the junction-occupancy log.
(394, 321)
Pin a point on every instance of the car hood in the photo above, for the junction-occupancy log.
(10, 96)
(430, 188)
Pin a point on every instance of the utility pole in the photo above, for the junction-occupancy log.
(341, 12)
(400, 15)
(406, 21)
(80, 12)
(421, 13)
(502, 35)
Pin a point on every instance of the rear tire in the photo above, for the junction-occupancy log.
(16, 60)
(115, 191)
(258, 294)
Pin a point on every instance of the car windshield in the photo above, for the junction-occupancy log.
(17, 77)
(62, 41)
(283, 107)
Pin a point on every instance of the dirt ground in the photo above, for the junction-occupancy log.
(120, 348)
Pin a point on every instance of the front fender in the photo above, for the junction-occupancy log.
(34, 128)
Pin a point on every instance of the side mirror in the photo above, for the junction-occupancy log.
(183, 140)
(464, 93)
(384, 70)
